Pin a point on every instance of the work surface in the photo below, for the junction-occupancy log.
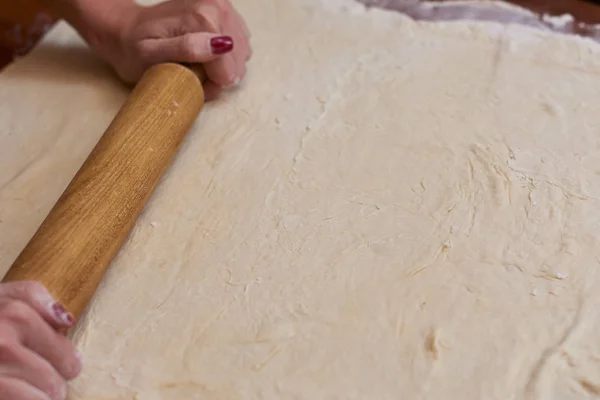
(386, 209)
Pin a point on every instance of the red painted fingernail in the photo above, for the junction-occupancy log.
(221, 44)
(63, 315)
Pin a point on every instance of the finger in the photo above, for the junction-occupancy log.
(212, 90)
(35, 334)
(11, 388)
(208, 16)
(223, 71)
(211, 17)
(235, 24)
(37, 296)
(243, 24)
(240, 54)
(199, 47)
(247, 46)
(20, 363)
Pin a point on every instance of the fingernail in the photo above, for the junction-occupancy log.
(62, 315)
(79, 356)
(236, 81)
(221, 44)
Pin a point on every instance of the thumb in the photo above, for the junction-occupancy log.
(198, 47)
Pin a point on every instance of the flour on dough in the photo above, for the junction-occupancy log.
(386, 209)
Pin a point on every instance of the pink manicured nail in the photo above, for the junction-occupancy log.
(221, 44)
(235, 82)
(62, 315)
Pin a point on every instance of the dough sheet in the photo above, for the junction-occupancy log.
(386, 209)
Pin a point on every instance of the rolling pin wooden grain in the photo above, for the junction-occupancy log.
(74, 246)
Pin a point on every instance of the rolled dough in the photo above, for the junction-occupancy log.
(386, 210)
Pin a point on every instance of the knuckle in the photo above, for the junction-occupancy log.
(188, 46)
(208, 16)
(198, 8)
(33, 287)
(141, 49)
(9, 348)
(17, 312)
(24, 289)
(8, 391)
(222, 6)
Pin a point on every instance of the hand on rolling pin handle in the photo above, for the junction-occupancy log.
(132, 38)
(36, 360)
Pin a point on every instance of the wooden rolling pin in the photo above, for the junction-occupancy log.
(76, 243)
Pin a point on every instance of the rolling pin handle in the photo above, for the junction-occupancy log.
(75, 244)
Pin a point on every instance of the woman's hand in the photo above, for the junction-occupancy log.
(36, 360)
(133, 38)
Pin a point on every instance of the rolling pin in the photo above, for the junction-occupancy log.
(75, 244)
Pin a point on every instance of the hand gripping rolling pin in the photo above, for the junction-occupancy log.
(76, 243)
